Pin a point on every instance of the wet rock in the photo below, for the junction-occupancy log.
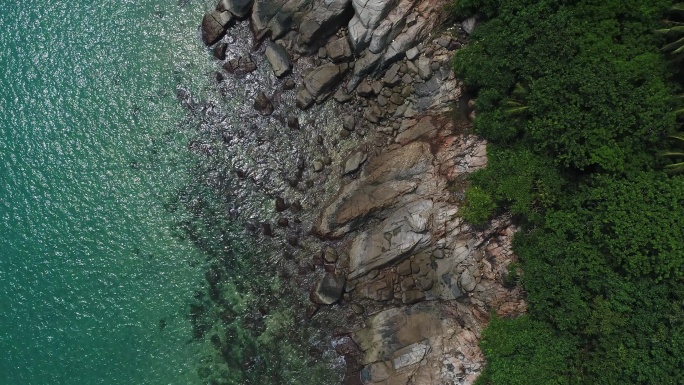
(280, 204)
(293, 122)
(289, 84)
(278, 59)
(266, 229)
(240, 66)
(328, 290)
(239, 8)
(220, 51)
(293, 240)
(354, 162)
(304, 99)
(339, 50)
(214, 26)
(263, 104)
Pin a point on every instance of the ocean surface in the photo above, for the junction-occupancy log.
(94, 283)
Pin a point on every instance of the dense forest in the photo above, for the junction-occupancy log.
(580, 102)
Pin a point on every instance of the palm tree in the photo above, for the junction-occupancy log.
(675, 168)
(674, 33)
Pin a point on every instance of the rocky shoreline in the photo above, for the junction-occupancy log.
(350, 139)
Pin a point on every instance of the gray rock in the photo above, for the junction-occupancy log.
(438, 254)
(424, 69)
(278, 59)
(467, 281)
(407, 79)
(322, 53)
(382, 101)
(321, 80)
(427, 88)
(365, 89)
(359, 35)
(339, 50)
(214, 26)
(371, 12)
(341, 96)
(366, 65)
(308, 32)
(328, 290)
(396, 99)
(239, 8)
(434, 66)
(469, 25)
(444, 41)
(304, 98)
(354, 162)
(348, 122)
(404, 268)
(412, 53)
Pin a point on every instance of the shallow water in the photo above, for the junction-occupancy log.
(94, 283)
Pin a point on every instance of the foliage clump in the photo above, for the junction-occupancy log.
(576, 101)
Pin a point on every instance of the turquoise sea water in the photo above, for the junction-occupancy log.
(90, 148)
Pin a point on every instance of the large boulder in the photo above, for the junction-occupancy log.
(214, 26)
(329, 289)
(339, 50)
(279, 60)
(239, 8)
(385, 180)
(322, 80)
